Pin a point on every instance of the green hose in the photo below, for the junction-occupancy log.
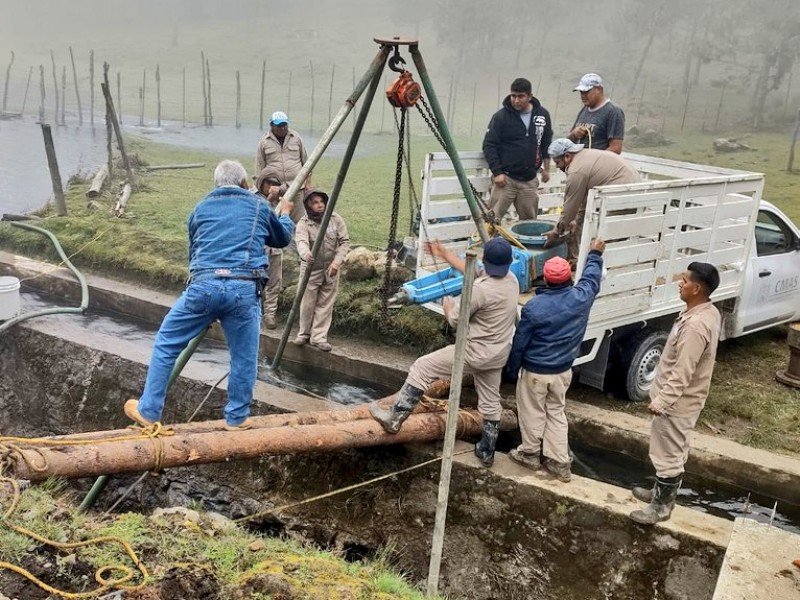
(59, 310)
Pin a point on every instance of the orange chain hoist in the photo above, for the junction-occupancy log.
(403, 91)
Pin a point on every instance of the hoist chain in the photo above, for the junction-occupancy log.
(433, 125)
(386, 289)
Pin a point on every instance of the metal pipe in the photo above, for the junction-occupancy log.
(52, 311)
(375, 68)
(450, 146)
(452, 423)
(374, 72)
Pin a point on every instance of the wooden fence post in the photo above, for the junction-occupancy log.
(261, 104)
(55, 86)
(238, 100)
(665, 107)
(77, 91)
(472, 118)
(5, 87)
(330, 93)
(289, 96)
(183, 98)
(142, 91)
(55, 176)
(119, 98)
(41, 93)
(790, 165)
(25, 97)
(719, 106)
(120, 144)
(158, 94)
(63, 94)
(208, 79)
(205, 91)
(109, 127)
(686, 105)
(91, 87)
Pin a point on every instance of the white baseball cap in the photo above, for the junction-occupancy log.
(279, 118)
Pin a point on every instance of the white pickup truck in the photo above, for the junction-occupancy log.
(679, 213)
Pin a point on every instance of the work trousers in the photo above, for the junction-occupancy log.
(272, 291)
(439, 365)
(316, 309)
(670, 440)
(524, 195)
(541, 402)
(235, 303)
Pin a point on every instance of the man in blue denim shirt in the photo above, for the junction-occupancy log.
(228, 232)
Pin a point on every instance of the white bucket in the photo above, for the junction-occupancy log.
(9, 297)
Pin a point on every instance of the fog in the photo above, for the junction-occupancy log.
(734, 60)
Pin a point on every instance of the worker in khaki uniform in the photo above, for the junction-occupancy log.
(548, 338)
(316, 308)
(585, 169)
(268, 186)
(493, 311)
(679, 390)
(283, 150)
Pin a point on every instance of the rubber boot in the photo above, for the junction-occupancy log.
(660, 508)
(644, 494)
(484, 449)
(392, 419)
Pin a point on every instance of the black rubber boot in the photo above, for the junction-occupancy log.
(484, 449)
(644, 494)
(407, 399)
(660, 508)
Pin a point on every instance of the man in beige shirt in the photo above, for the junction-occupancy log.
(585, 169)
(679, 390)
(493, 312)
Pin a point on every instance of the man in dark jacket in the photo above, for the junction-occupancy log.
(515, 146)
(229, 231)
(547, 341)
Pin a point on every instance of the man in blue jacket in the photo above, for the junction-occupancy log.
(547, 341)
(229, 230)
(515, 146)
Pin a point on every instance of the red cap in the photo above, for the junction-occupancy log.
(557, 271)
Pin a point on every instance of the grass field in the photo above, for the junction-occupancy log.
(149, 245)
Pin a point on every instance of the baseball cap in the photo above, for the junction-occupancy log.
(561, 146)
(587, 82)
(279, 118)
(557, 271)
(497, 257)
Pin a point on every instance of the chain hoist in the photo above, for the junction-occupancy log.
(386, 289)
(403, 92)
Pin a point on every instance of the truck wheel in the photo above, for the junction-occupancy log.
(640, 356)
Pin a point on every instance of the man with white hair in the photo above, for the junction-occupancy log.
(229, 230)
(600, 124)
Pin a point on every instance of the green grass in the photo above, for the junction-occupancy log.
(236, 558)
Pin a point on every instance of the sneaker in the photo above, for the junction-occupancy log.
(270, 323)
(531, 461)
(300, 340)
(560, 471)
(324, 346)
(246, 424)
(131, 409)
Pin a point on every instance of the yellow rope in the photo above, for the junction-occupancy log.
(11, 452)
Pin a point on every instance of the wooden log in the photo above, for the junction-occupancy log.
(97, 182)
(122, 201)
(170, 167)
(143, 454)
(120, 143)
(55, 176)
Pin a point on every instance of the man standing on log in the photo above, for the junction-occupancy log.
(229, 231)
(679, 390)
(493, 311)
(515, 146)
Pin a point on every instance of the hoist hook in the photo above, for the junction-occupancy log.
(396, 62)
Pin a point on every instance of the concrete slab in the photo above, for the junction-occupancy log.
(758, 564)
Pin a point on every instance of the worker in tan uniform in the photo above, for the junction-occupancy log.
(585, 169)
(268, 186)
(679, 390)
(493, 312)
(283, 149)
(316, 308)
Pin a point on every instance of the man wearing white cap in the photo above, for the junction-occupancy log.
(585, 168)
(283, 150)
(600, 124)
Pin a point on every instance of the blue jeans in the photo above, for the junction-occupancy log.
(235, 304)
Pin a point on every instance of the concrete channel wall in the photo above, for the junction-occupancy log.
(511, 533)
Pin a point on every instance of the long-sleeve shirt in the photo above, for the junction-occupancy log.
(684, 372)
(335, 246)
(588, 169)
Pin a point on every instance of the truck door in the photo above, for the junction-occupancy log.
(772, 287)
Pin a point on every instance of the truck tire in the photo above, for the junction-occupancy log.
(640, 356)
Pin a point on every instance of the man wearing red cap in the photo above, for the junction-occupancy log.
(493, 311)
(548, 338)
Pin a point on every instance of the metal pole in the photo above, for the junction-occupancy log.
(371, 77)
(452, 425)
(450, 146)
